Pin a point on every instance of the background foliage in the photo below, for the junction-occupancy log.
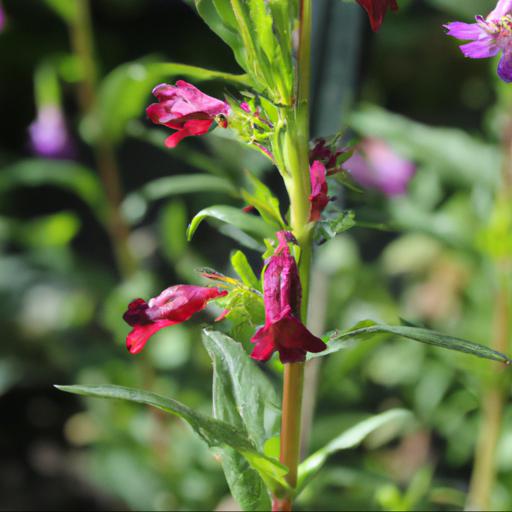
(63, 296)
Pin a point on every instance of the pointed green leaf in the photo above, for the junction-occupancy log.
(216, 433)
(217, 15)
(243, 396)
(243, 268)
(250, 224)
(348, 439)
(264, 201)
(338, 340)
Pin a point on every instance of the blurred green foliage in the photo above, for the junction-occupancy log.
(63, 297)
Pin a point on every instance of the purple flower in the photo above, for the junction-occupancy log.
(376, 165)
(49, 136)
(3, 19)
(489, 36)
(283, 331)
(186, 109)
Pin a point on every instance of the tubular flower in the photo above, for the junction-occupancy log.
(489, 36)
(49, 136)
(376, 165)
(318, 197)
(173, 306)
(186, 109)
(376, 10)
(283, 331)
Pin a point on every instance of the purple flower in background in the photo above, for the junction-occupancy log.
(3, 19)
(489, 36)
(49, 136)
(375, 165)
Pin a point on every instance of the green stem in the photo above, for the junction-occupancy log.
(493, 402)
(106, 160)
(299, 188)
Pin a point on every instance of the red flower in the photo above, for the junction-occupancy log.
(376, 10)
(173, 306)
(185, 108)
(318, 196)
(283, 331)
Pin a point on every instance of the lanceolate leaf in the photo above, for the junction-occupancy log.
(338, 340)
(348, 439)
(252, 225)
(243, 268)
(244, 397)
(216, 433)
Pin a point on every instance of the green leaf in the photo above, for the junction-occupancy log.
(262, 22)
(330, 227)
(66, 9)
(216, 433)
(244, 397)
(136, 204)
(264, 201)
(348, 439)
(250, 224)
(68, 175)
(243, 268)
(126, 90)
(365, 330)
(54, 230)
(217, 14)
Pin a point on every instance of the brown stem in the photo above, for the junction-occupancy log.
(106, 161)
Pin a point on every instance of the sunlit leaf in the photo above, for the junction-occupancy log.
(250, 224)
(339, 340)
(243, 396)
(243, 268)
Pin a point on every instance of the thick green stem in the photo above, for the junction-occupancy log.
(299, 188)
(83, 47)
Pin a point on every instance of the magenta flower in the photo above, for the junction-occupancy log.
(49, 136)
(376, 10)
(489, 36)
(283, 331)
(376, 165)
(318, 197)
(186, 109)
(173, 306)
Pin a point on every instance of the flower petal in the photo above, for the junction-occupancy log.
(464, 31)
(190, 128)
(318, 197)
(505, 67)
(481, 49)
(140, 334)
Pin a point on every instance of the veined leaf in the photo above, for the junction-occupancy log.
(338, 340)
(348, 439)
(216, 433)
(135, 205)
(248, 223)
(243, 396)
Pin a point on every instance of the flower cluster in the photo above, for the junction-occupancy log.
(283, 331)
(489, 36)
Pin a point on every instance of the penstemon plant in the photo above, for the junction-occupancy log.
(258, 434)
